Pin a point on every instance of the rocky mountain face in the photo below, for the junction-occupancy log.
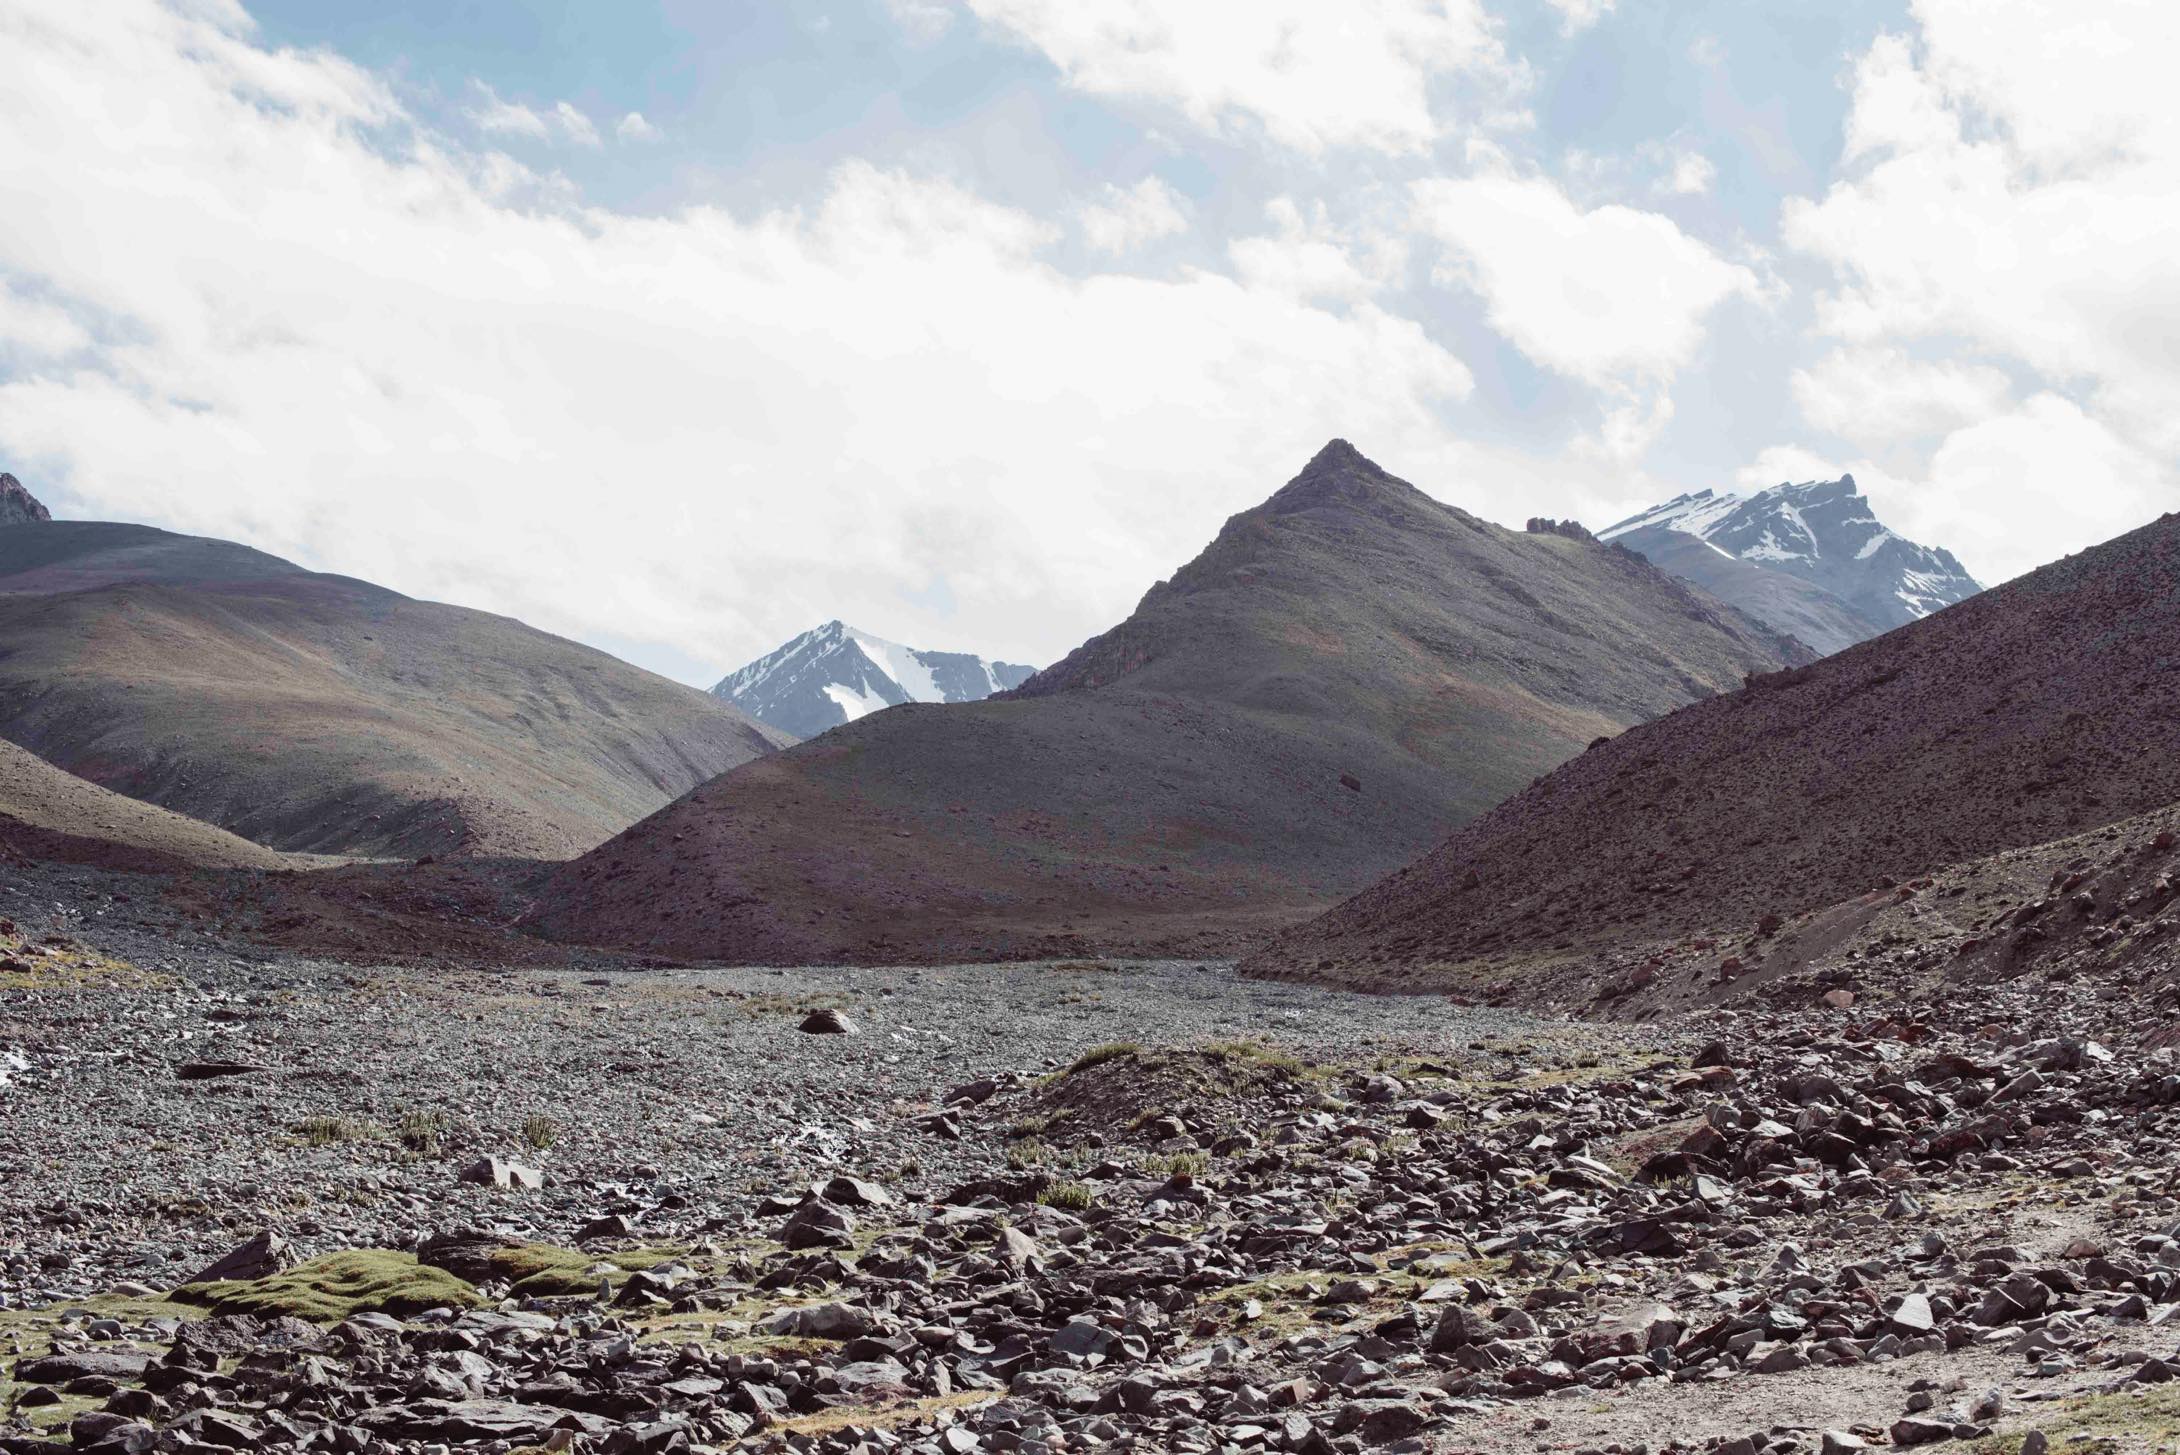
(1674, 853)
(1347, 671)
(318, 713)
(17, 505)
(1810, 559)
(835, 674)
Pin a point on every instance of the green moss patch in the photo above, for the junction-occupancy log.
(338, 1286)
(540, 1270)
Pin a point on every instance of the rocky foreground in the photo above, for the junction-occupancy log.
(252, 1202)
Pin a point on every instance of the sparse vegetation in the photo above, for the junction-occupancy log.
(338, 1286)
(327, 1131)
(1068, 1196)
(1172, 1164)
(422, 1132)
(540, 1270)
(1099, 1055)
(540, 1131)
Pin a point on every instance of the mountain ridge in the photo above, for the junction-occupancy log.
(1811, 559)
(1347, 669)
(2038, 709)
(319, 713)
(835, 673)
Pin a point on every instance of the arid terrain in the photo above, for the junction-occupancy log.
(1063, 1206)
(1349, 671)
(321, 714)
(1792, 1073)
(2036, 711)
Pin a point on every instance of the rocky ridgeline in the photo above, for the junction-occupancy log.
(1922, 1224)
(17, 505)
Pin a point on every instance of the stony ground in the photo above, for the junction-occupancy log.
(252, 1201)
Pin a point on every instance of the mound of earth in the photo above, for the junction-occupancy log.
(1348, 671)
(319, 713)
(1124, 1091)
(46, 813)
(2023, 715)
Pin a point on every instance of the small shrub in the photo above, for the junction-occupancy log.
(421, 1131)
(1175, 1163)
(1067, 1196)
(1255, 1053)
(540, 1131)
(1025, 1154)
(325, 1131)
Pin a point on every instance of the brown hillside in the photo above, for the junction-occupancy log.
(319, 713)
(1348, 671)
(48, 813)
(2026, 714)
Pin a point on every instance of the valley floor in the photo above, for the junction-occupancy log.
(1048, 1207)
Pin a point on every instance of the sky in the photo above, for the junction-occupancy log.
(681, 327)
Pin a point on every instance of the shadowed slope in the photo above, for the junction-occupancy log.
(1346, 672)
(48, 813)
(314, 712)
(2024, 714)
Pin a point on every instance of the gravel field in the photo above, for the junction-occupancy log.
(256, 1201)
(657, 1084)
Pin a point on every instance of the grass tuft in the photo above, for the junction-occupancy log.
(326, 1131)
(422, 1132)
(1067, 1196)
(1099, 1055)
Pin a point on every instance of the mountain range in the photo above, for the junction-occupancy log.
(834, 674)
(1348, 671)
(2023, 715)
(1811, 560)
(312, 712)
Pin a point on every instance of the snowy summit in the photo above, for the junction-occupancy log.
(1856, 577)
(835, 674)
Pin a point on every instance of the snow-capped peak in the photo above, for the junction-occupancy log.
(835, 673)
(1821, 530)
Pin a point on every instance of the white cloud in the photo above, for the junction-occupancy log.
(633, 127)
(1611, 296)
(506, 118)
(1129, 217)
(1604, 295)
(36, 330)
(2022, 202)
(501, 117)
(1305, 256)
(1692, 175)
(1875, 396)
(2007, 493)
(1576, 16)
(1310, 75)
(923, 21)
(2010, 194)
(574, 125)
(373, 349)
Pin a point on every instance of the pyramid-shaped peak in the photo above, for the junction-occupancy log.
(17, 505)
(1338, 472)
